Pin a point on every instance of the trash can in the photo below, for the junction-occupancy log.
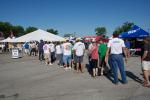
(15, 53)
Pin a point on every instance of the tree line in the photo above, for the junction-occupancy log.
(6, 29)
(123, 28)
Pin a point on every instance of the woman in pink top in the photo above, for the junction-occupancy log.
(94, 59)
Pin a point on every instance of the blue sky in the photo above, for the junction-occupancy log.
(76, 16)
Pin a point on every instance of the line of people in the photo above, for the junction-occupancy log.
(113, 54)
(103, 57)
(67, 54)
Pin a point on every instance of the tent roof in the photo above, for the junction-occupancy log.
(8, 40)
(135, 32)
(39, 35)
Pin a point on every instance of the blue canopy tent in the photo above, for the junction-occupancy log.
(135, 32)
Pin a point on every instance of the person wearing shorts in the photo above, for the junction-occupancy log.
(94, 59)
(26, 48)
(79, 49)
(67, 54)
(46, 49)
(146, 62)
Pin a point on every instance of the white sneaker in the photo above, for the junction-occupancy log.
(66, 68)
(46, 64)
(61, 66)
(69, 67)
(50, 64)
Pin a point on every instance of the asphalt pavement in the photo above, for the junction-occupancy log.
(27, 78)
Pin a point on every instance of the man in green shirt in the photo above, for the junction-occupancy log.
(102, 52)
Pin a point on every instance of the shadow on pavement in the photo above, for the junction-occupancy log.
(109, 76)
(128, 73)
(134, 77)
(89, 69)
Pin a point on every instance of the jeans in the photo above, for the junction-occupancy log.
(118, 62)
(41, 55)
(67, 59)
(33, 51)
(60, 59)
(53, 56)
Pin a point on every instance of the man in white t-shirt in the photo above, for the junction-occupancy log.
(67, 53)
(46, 50)
(79, 49)
(52, 49)
(59, 53)
(116, 47)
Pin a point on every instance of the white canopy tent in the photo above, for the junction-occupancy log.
(8, 39)
(38, 35)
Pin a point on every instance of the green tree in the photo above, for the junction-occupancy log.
(100, 31)
(52, 31)
(30, 29)
(5, 28)
(124, 28)
(18, 30)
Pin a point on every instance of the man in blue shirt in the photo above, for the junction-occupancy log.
(26, 48)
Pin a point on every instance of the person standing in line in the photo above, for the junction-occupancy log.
(26, 48)
(146, 62)
(89, 55)
(127, 44)
(3, 47)
(40, 49)
(94, 59)
(37, 49)
(33, 49)
(79, 50)
(67, 54)
(72, 55)
(52, 49)
(47, 52)
(89, 49)
(116, 47)
(59, 53)
(102, 52)
(30, 48)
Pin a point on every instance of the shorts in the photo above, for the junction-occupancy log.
(59, 56)
(67, 59)
(47, 56)
(26, 51)
(79, 59)
(146, 65)
(94, 63)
